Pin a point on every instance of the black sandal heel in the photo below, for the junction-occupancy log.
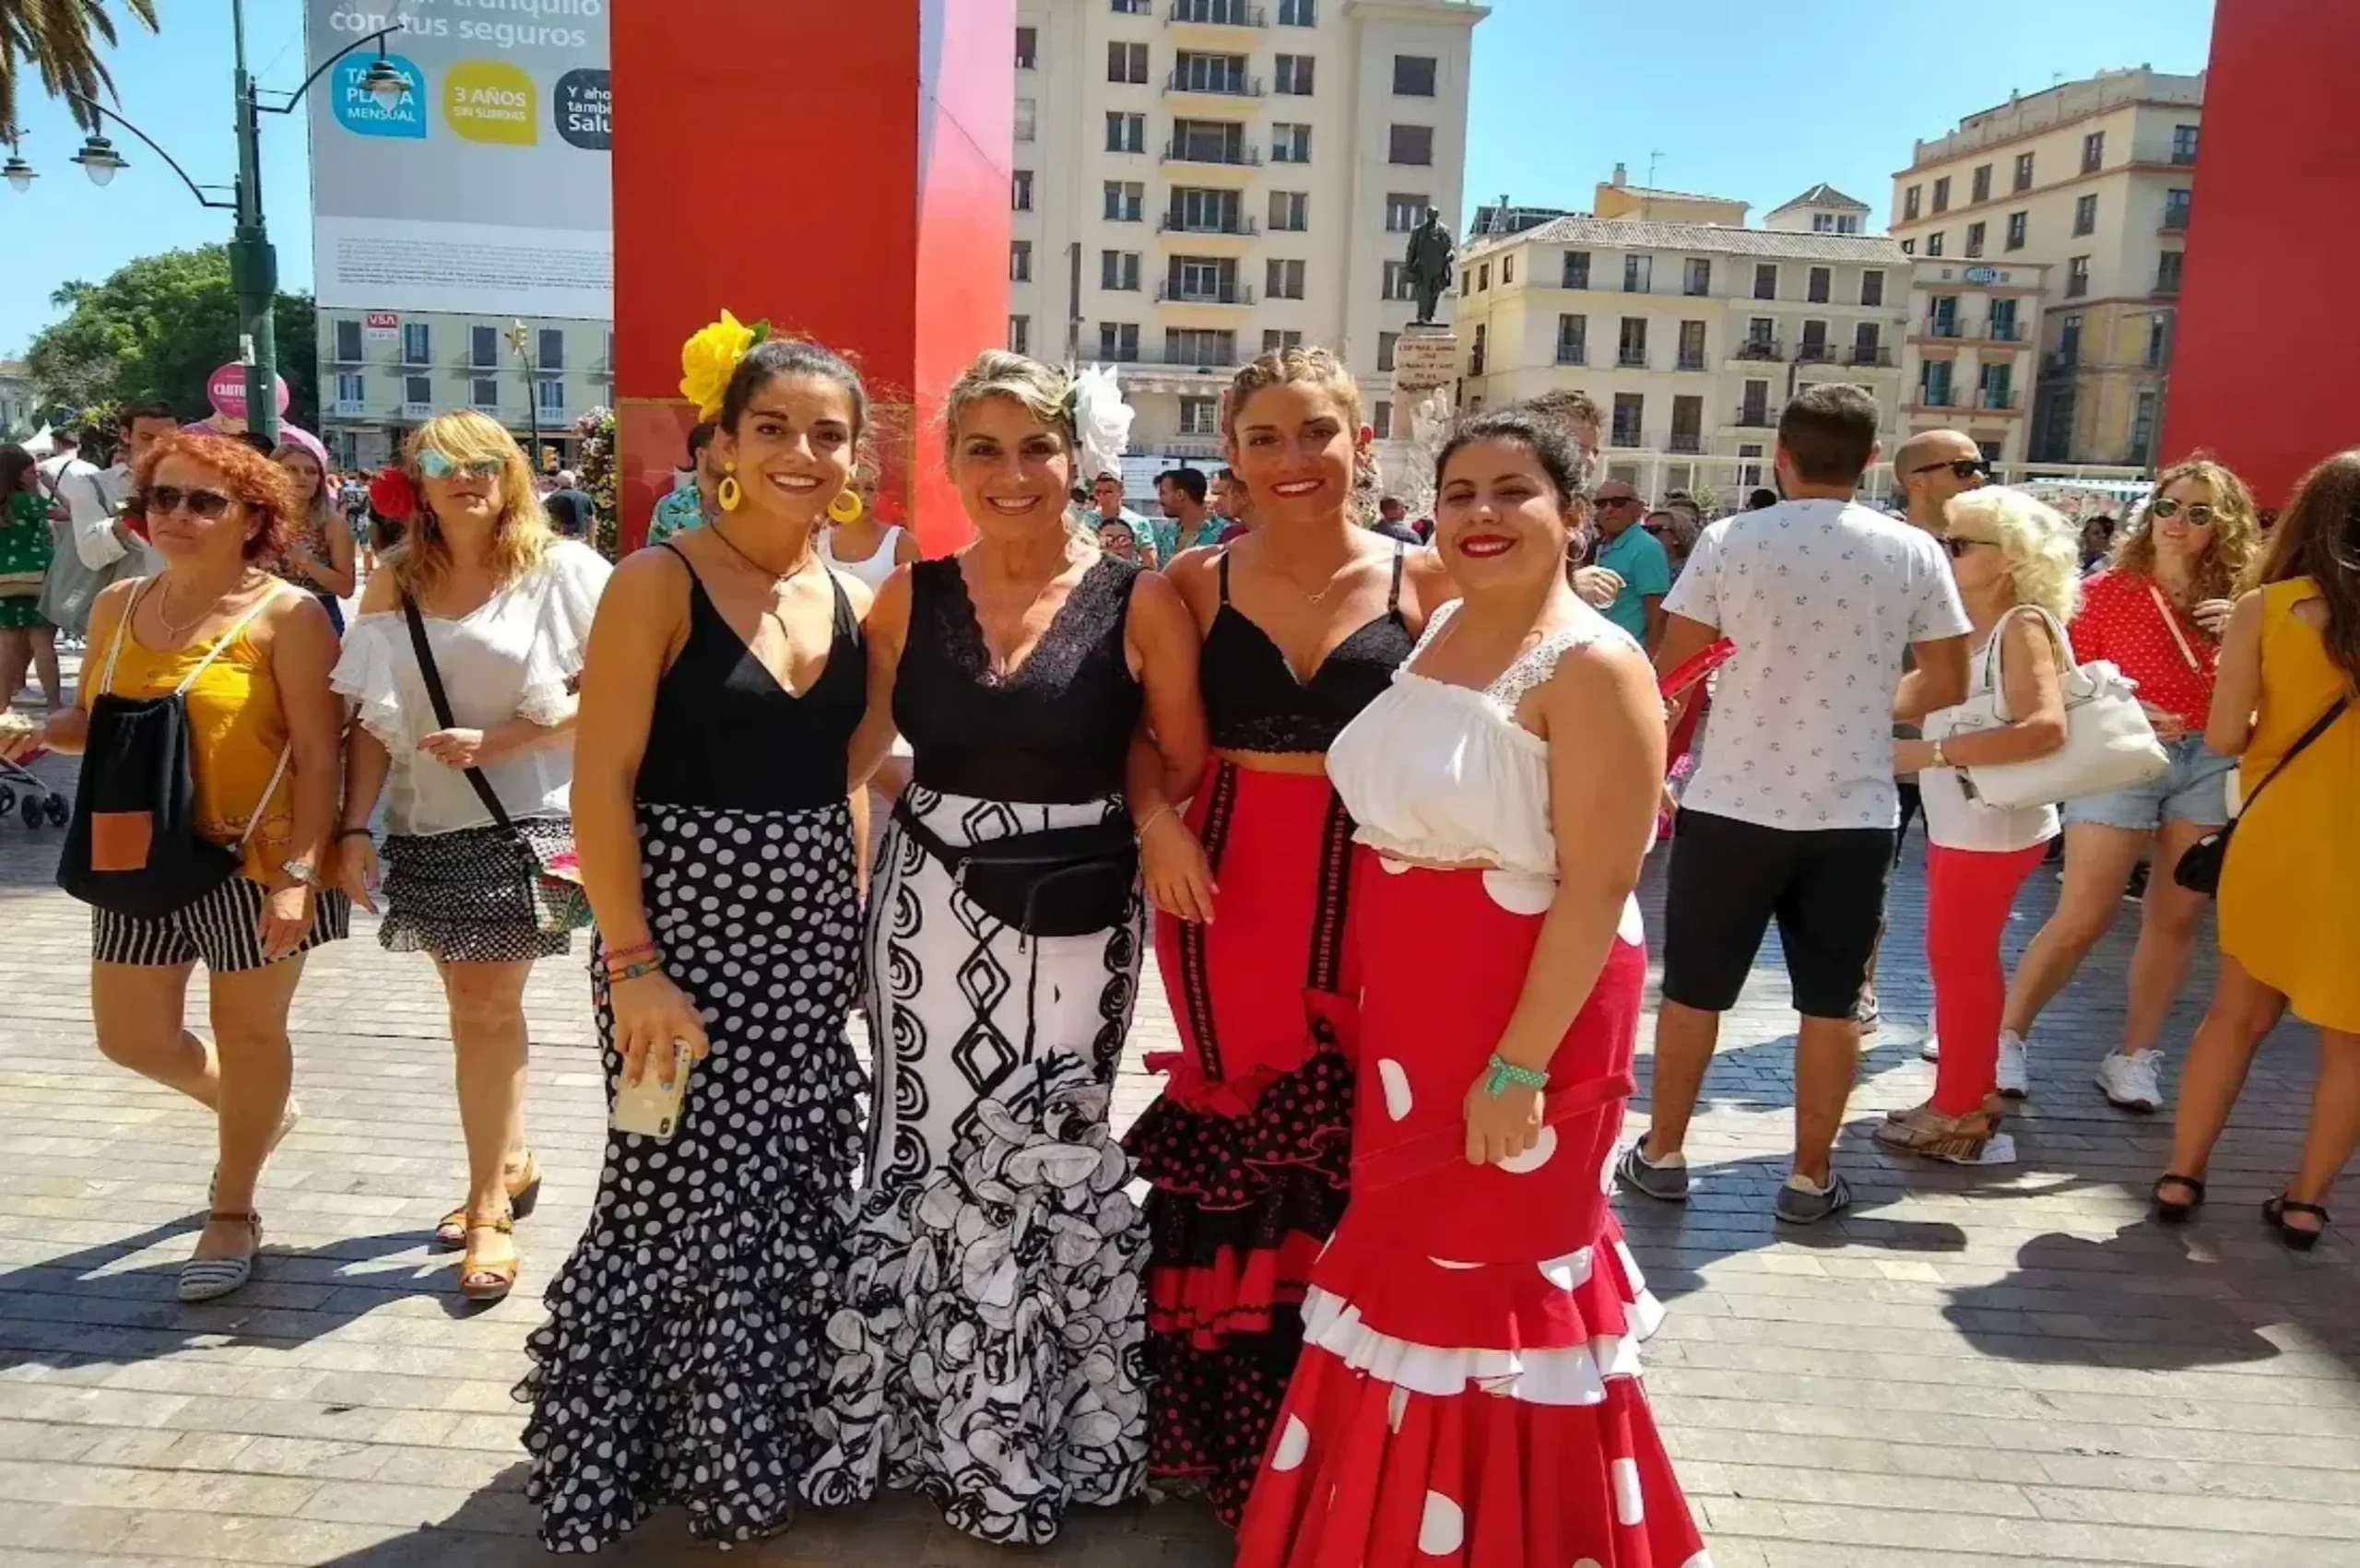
(2171, 1213)
(2274, 1211)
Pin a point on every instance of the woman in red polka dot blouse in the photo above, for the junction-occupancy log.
(2157, 612)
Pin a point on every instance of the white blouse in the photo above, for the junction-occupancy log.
(514, 657)
(873, 571)
(1445, 775)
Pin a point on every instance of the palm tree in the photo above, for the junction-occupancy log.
(63, 39)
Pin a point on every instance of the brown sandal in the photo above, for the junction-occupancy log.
(523, 1192)
(480, 1281)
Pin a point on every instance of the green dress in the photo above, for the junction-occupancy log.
(26, 547)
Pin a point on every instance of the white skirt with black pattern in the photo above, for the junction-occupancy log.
(990, 1349)
(682, 1360)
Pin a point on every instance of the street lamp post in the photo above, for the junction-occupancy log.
(520, 339)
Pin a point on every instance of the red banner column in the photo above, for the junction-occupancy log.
(841, 170)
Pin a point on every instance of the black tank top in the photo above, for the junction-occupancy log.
(1056, 732)
(725, 734)
(1253, 701)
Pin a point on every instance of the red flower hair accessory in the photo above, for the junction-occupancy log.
(392, 495)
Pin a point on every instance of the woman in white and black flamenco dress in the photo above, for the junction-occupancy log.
(990, 1349)
(726, 677)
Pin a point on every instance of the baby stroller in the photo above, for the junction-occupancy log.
(22, 795)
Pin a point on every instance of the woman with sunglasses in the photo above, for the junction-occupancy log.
(2157, 613)
(251, 658)
(503, 607)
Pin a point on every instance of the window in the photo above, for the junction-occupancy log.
(1290, 211)
(1577, 269)
(348, 343)
(1697, 275)
(1028, 48)
(1812, 350)
(1206, 212)
(1630, 411)
(1404, 211)
(1028, 118)
(1127, 63)
(1019, 334)
(1397, 282)
(2158, 340)
(1873, 286)
(1200, 416)
(1019, 261)
(1020, 193)
(1934, 388)
(2086, 215)
(483, 347)
(1996, 389)
(1820, 285)
(2092, 152)
(1945, 315)
(1484, 278)
(2167, 270)
(1283, 280)
(1632, 352)
(1118, 341)
(1209, 280)
(1865, 348)
(1982, 184)
(2176, 208)
(1414, 75)
(1275, 340)
(1380, 419)
(484, 394)
(418, 343)
(1208, 141)
(1132, 7)
(1126, 133)
(1909, 203)
(1412, 145)
(418, 395)
(1909, 247)
(2077, 277)
(1975, 239)
(2001, 328)
(1692, 346)
(1638, 275)
(351, 391)
(2142, 427)
(1476, 350)
(1573, 340)
(1942, 193)
(1755, 407)
(1294, 74)
(1386, 343)
(1687, 423)
(1119, 270)
(551, 341)
(1934, 244)
(1290, 144)
(2183, 144)
(1507, 271)
(2019, 229)
(1210, 73)
(1298, 13)
(2069, 340)
(1126, 201)
(552, 399)
(1766, 280)
(2023, 171)
(1199, 347)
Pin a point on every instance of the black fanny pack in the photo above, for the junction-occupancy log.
(1057, 882)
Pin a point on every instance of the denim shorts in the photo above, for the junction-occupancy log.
(2195, 788)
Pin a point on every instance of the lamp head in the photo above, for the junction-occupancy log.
(18, 174)
(385, 83)
(100, 160)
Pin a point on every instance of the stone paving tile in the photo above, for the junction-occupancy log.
(2000, 1367)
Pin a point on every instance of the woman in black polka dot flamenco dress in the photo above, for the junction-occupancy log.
(725, 677)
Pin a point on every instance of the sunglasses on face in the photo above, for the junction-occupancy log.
(1958, 545)
(440, 465)
(1606, 500)
(2200, 514)
(1961, 467)
(163, 500)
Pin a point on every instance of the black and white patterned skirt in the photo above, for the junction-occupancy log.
(463, 897)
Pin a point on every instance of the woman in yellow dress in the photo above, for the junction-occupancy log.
(2290, 890)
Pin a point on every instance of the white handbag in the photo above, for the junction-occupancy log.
(2108, 742)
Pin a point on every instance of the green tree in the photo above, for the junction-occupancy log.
(62, 40)
(156, 328)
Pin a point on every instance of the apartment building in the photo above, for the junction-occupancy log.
(1690, 338)
(1199, 181)
(17, 401)
(1969, 359)
(382, 372)
(2092, 181)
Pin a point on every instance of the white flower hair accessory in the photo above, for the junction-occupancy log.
(1101, 420)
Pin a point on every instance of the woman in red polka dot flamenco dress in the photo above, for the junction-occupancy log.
(1468, 1389)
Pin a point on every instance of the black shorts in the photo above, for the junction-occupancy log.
(1825, 887)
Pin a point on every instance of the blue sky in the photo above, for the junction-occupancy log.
(1739, 98)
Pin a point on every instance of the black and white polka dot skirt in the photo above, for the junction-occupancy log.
(462, 897)
(683, 1358)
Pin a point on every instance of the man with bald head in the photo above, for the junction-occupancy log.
(1932, 467)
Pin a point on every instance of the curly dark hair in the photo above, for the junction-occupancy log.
(261, 486)
(2318, 537)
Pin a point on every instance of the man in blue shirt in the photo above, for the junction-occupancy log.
(1106, 496)
(1633, 554)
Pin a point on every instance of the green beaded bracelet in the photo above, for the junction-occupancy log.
(1505, 1073)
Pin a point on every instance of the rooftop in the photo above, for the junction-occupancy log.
(2029, 114)
(1641, 234)
(1823, 195)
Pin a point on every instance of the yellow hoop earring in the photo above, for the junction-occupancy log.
(728, 492)
(847, 507)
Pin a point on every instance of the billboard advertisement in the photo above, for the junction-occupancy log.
(482, 187)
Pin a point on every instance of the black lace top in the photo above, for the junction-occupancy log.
(1253, 701)
(1057, 731)
(727, 735)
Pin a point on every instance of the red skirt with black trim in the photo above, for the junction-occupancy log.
(1468, 1389)
(1247, 1150)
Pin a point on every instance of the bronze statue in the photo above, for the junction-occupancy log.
(1428, 265)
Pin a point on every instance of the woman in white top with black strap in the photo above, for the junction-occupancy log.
(857, 542)
(2017, 563)
(506, 607)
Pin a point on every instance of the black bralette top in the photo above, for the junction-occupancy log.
(1253, 700)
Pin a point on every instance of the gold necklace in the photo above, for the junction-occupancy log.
(177, 633)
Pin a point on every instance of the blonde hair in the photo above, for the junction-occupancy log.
(522, 535)
(1289, 367)
(2042, 549)
(322, 504)
(1039, 389)
(2237, 545)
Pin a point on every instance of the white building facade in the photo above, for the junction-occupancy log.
(383, 372)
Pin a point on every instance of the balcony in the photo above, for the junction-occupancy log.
(2184, 156)
(1870, 359)
(1753, 415)
(1238, 156)
(1761, 349)
(1632, 360)
(2002, 332)
(1228, 14)
(2060, 363)
(1625, 435)
(1688, 361)
(1181, 85)
(1810, 353)
(1928, 397)
(348, 407)
(1996, 401)
(1685, 441)
(1572, 354)
(1237, 224)
(418, 410)
(1937, 327)
(2175, 222)
(1169, 293)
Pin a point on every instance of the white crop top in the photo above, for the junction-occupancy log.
(1445, 775)
(873, 571)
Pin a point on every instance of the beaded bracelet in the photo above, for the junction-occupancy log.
(618, 956)
(1503, 1073)
(618, 973)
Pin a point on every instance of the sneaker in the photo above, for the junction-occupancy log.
(1803, 1202)
(1664, 1180)
(2015, 1077)
(1922, 1129)
(1864, 1011)
(2133, 1082)
(1932, 1050)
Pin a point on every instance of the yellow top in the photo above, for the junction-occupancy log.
(237, 732)
(2290, 893)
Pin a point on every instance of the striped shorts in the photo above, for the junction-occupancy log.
(222, 930)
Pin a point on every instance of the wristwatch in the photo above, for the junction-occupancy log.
(296, 871)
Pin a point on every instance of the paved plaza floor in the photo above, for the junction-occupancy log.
(2002, 1366)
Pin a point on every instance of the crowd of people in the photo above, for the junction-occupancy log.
(1375, 1304)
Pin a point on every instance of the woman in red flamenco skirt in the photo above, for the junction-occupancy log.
(1468, 1389)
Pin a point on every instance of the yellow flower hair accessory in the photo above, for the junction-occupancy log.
(710, 359)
